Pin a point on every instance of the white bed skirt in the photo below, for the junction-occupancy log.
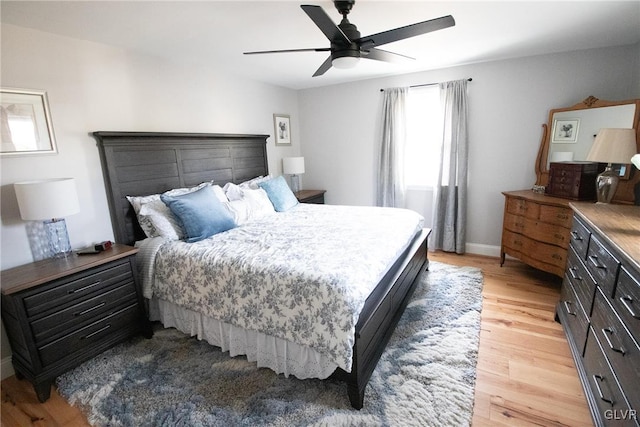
(277, 354)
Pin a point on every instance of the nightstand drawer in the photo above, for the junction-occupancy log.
(75, 287)
(90, 334)
(79, 314)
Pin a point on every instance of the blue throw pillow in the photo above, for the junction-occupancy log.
(200, 213)
(279, 193)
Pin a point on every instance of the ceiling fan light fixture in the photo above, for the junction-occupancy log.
(345, 62)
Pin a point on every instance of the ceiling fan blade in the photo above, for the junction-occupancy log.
(326, 25)
(405, 32)
(323, 68)
(383, 55)
(317, 49)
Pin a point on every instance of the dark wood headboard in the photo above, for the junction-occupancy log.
(143, 163)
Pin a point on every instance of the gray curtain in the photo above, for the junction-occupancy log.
(390, 189)
(450, 194)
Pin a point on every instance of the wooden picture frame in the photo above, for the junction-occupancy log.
(26, 123)
(282, 129)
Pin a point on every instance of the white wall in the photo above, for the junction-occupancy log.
(94, 87)
(508, 102)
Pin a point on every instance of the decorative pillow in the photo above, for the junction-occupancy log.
(201, 213)
(155, 218)
(279, 193)
(259, 202)
(255, 182)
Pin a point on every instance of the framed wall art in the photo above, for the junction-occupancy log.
(282, 128)
(565, 131)
(26, 123)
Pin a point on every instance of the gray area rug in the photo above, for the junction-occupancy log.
(425, 377)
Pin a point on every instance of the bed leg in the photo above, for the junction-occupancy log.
(356, 397)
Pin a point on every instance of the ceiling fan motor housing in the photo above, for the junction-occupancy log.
(340, 49)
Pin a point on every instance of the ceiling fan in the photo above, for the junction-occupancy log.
(347, 47)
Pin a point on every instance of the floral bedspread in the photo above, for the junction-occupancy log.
(302, 275)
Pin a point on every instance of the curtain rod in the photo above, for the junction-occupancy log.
(428, 84)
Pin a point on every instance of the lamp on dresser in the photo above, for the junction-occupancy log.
(612, 145)
(293, 166)
(49, 200)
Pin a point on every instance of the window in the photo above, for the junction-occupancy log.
(424, 137)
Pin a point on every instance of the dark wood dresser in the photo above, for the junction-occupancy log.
(311, 196)
(600, 309)
(535, 230)
(59, 313)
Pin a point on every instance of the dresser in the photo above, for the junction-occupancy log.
(599, 309)
(535, 230)
(61, 312)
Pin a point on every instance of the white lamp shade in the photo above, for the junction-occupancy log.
(613, 145)
(47, 199)
(293, 165)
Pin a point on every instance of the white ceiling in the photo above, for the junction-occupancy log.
(215, 33)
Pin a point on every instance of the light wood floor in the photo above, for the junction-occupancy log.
(525, 375)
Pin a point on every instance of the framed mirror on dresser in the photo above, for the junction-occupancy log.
(536, 225)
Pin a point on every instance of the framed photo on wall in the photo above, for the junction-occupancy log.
(26, 123)
(282, 128)
(565, 131)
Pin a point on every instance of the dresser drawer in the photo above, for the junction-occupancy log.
(580, 238)
(556, 215)
(577, 321)
(627, 302)
(76, 287)
(602, 265)
(523, 208)
(532, 249)
(604, 386)
(621, 350)
(77, 315)
(93, 333)
(582, 282)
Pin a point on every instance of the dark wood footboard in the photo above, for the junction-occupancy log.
(381, 314)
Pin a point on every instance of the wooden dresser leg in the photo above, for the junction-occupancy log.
(43, 390)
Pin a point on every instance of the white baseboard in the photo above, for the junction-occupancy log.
(479, 249)
(6, 368)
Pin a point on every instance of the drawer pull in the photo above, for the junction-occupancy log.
(104, 328)
(562, 216)
(596, 380)
(610, 331)
(567, 306)
(627, 301)
(572, 272)
(576, 236)
(84, 288)
(558, 236)
(596, 263)
(89, 310)
(556, 256)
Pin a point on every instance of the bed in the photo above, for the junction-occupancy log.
(145, 163)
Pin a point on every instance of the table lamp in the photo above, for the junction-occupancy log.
(612, 145)
(49, 200)
(293, 166)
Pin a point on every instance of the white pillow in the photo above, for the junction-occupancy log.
(232, 191)
(253, 204)
(220, 193)
(155, 218)
(253, 183)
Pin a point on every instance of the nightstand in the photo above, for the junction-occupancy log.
(61, 312)
(311, 196)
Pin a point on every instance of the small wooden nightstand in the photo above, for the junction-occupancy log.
(59, 313)
(311, 196)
